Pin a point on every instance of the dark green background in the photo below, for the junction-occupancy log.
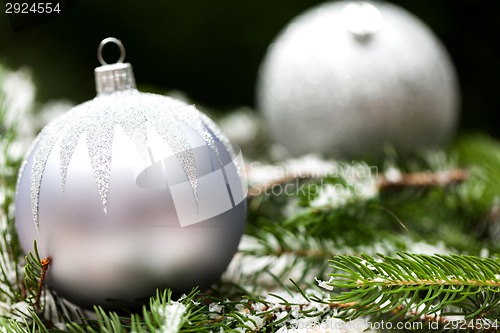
(211, 49)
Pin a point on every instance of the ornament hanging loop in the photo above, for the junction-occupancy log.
(110, 78)
(108, 40)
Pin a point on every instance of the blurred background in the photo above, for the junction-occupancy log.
(211, 49)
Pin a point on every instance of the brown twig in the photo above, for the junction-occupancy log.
(435, 282)
(45, 266)
(424, 179)
(409, 180)
(22, 288)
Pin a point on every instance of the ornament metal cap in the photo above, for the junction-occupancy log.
(362, 19)
(110, 78)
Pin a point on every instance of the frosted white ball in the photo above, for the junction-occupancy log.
(128, 193)
(347, 79)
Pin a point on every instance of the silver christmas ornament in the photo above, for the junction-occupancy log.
(130, 192)
(348, 78)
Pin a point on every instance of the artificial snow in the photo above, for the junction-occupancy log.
(172, 314)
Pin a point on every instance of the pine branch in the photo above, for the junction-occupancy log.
(333, 208)
(416, 285)
(162, 315)
(45, 266)
(33, 278)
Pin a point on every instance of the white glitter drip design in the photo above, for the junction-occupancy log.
(135, 126)
(25, 162)
(191, 116)
(44, 144)
(98, 118)
(208, 131)
(100, 152)
(68, 145)
(214, 131)
(178, 141)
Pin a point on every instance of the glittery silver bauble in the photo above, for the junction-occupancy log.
(130, 192)
(347, 78)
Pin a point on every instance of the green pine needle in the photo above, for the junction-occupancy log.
(413, 285)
